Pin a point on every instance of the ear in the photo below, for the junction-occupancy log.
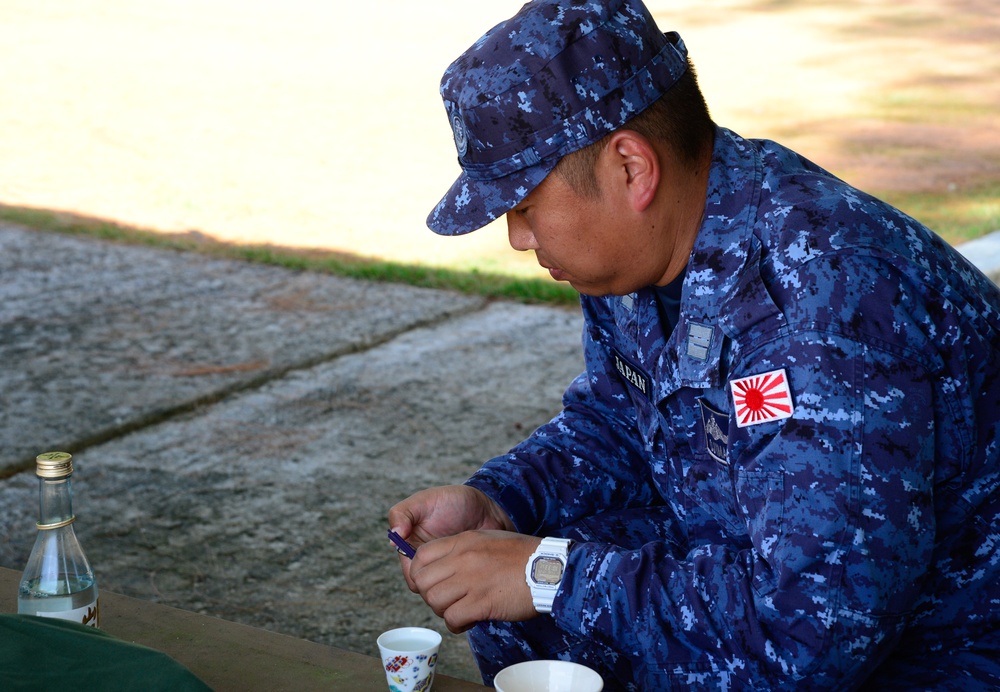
(638, 165)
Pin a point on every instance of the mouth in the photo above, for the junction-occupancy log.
(557, 274)
(554, 272)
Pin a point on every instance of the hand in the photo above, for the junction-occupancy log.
(446, 511)
(475, 576)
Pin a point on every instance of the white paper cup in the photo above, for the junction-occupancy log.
(409, 655)
(548, 676)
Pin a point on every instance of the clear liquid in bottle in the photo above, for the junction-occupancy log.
(58, 581)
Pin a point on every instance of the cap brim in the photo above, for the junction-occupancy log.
(471, 204)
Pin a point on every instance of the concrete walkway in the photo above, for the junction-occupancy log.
(240, 430)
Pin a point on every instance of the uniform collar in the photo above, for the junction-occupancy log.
(723, 260)
(722, 279)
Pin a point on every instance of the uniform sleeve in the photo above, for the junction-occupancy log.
(586, 460)
(836, 509)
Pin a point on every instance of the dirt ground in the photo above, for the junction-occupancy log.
(310, 124)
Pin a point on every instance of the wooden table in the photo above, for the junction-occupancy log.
(230, 656)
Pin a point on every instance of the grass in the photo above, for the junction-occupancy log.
(240, 136)
(955, 216)
(489, 285)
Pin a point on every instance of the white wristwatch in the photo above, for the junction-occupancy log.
(545, 570)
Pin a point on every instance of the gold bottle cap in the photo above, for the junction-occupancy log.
(53, 465)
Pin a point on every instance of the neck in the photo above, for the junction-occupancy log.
(682, 208)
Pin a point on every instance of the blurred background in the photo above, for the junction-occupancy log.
(314, 124)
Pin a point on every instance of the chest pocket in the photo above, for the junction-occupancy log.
(749, 503)
(695, 436)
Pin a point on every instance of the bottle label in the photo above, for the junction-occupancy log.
(89, 615)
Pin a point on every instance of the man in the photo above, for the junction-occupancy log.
(780, 468)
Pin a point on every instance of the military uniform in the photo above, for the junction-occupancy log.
(797, 487)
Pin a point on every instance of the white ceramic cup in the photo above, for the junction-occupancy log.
(409, 655)
(548, 676)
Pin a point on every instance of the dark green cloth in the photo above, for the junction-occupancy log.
(47, 654)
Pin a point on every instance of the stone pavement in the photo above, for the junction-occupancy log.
(240, 430)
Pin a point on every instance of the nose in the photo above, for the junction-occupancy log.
(519, 233)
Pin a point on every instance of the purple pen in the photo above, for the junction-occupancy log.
(401, 545)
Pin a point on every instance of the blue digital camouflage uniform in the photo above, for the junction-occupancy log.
(854, 540)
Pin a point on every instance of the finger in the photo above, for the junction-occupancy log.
(464, 613)
(404, 566)
(442, 588)
(427, 569)
(401, 519)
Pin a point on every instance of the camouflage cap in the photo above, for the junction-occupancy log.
(557, 76)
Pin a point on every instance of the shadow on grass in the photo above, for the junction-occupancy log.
(494, 286)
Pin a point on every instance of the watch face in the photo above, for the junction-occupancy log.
(547, 570)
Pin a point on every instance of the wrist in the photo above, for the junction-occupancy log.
(492, 514)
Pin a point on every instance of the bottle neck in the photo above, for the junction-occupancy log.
(55, 501)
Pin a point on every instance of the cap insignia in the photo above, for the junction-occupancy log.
(461, 135)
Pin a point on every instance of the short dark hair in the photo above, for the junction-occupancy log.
(679, 119)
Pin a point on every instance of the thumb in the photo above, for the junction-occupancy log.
(401, 520)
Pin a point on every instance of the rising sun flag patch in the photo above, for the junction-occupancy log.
(761, 398)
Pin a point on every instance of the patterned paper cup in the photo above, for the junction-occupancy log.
(409, 655)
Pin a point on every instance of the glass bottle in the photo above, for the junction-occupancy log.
(57, 581)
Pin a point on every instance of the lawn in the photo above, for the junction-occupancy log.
(312, 134)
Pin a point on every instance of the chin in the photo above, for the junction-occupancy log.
(591, 291)
(603, 291)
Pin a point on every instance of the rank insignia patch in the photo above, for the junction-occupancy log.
(761, 398)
